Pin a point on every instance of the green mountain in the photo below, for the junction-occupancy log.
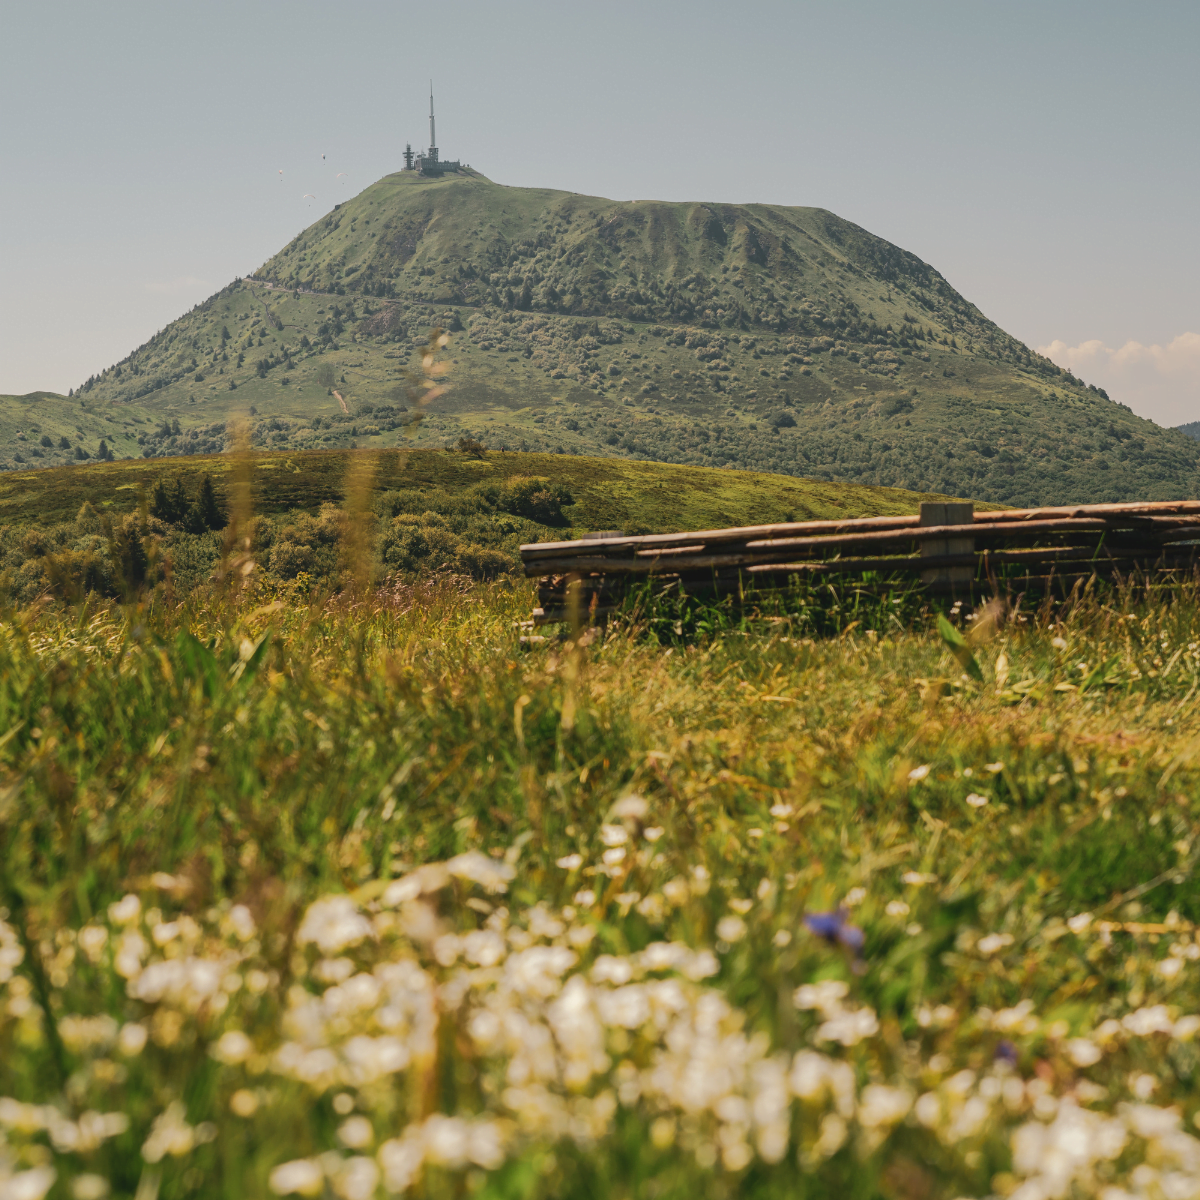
(751, 336)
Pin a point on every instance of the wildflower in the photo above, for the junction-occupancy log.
(613, 835)
(357, 1179)
(29, 1185)
(994, 767)
(171, 1134)
(1058, 643)
(854, 897)
(741, 905)
(89, 1187)
(783, 937)
(333, 923)
(917, 878)
(585, 898)
(1083, 1052)
(241, 923)
(1078, 924)
(612, 857)
(232, 1047)
(897, 908)
(675, 891)
(92, 940)
(1145, 1021)
(833, 927)
(882, 1105)
(491, 875)
(731, 929)
(1168, 968)
(653, 833)
(825, 996)
(132, 1039)
(975, 800)
(356, 1133)
(1006, 1052)
(301, 1175)
(849, 1028)
(243, 1103)
(570, 862)
(993, 942)
(918, 773)
(630, 808)
(125, 911)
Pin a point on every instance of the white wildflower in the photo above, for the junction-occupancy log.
(132, 1039)
(570, 862)
(731, 929)
(882, 1105)
(1078, 924)
(232, 1047)
(975, 800)
(125, 911)
(92, 940)
(994, 767)
(89, 1187)
(613, 835)
(630, 808)
(302, 1175)
(356, 1132)
(849, 1028)
(897, 908)
(333, 923)
(825, 996)
(171, 1134)
(28, 1185)
(1145, 1021)
(357, 1179)
(653, 833)
(992, 943)
(919, 773)
(1169, 968)
(918, 878)
(854, 897)
(1083, 1052)
(610, 969)
(491, 874)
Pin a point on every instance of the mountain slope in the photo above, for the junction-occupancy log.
(754, 336)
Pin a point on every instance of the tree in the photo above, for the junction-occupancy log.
(63, 443)
(207, 505)
(325, 375)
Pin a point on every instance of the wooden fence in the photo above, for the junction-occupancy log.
(945, 549)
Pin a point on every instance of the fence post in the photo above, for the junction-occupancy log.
(939, 512)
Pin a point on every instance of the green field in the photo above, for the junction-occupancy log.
(760, 337)
(363, 898)
(318, 518)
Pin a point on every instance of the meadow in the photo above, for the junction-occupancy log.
(371, 893)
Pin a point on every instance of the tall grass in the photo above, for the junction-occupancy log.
(363, 894)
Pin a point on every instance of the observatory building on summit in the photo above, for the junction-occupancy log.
(429, 163)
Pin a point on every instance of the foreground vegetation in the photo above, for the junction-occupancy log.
(369, 895)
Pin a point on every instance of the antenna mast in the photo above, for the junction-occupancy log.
(432, 136)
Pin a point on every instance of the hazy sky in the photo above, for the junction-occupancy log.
(1040, 155)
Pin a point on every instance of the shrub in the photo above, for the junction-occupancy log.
(534, 497)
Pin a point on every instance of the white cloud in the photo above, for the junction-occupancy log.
(1159, 382)
(172, 287)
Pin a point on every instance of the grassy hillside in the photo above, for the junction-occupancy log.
(606, 493)
(313, 900)
(757, 336)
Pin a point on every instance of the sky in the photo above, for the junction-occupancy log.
(1040, 155)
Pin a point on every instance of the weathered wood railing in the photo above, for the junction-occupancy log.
(946, 548)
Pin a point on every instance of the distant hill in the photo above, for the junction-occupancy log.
(758, 337)
(1191, 429)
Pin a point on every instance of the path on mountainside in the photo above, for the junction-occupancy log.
(342, 402)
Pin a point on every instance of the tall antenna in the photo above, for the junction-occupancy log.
(432, 136)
